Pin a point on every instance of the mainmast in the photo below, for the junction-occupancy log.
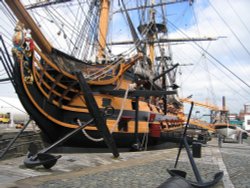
(151, 36)
(103, 27)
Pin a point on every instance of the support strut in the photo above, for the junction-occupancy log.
(14, 139)
(99, 119)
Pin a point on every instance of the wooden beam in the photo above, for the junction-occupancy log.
(164, 41)
(103, 25)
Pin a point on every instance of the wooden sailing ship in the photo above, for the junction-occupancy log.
(132, 98)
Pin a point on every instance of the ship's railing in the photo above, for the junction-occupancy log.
(55, 84)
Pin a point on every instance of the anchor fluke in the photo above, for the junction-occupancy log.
(34, 158)
(182, 174)
(174, 182)
(45, 159)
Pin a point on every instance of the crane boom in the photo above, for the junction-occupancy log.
(205, 105)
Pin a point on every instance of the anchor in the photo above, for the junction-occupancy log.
(35, 158)
(178, 176)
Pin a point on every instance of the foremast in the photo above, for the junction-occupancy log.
(103, 27)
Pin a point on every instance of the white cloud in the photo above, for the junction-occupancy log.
(228, 51)
(200, 78)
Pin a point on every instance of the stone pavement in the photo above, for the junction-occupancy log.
(236, 159)
(141, 169)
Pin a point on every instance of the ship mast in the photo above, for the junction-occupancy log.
(103, 27)
(151, 36)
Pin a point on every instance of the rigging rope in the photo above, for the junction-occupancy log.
(93, 27)
(84, 30)
(8, 13)
(232, 52)
(203, 58)
(210, 55)
(42, 21)
(104, 70)
(229, 86)
(235, 12)
(13, 106)
(236, 36)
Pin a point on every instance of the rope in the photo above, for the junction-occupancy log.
(91, 138)
(232, 31)
(131, 87)
(87, 135)
(103, 71)
(211, 56)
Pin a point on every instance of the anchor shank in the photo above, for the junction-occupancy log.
(66, 137)
(191, 159)
(184, 135)
(94, 110)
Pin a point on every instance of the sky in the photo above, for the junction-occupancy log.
(208, 79)
(218, 68)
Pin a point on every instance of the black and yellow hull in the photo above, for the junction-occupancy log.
(51, 95)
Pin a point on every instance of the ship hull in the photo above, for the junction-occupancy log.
(55, 121)
(61, 93)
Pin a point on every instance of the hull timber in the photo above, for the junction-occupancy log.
(54, 101)
(47, 86)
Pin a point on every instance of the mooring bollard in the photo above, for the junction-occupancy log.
(196, 146)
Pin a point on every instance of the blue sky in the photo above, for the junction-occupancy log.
(206, 79)
(218, 18)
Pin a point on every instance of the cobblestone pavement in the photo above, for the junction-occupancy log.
(236, 159)
(149, 175)
(138, 169)
(133, 169)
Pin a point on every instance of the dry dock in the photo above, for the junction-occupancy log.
(140, 169)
